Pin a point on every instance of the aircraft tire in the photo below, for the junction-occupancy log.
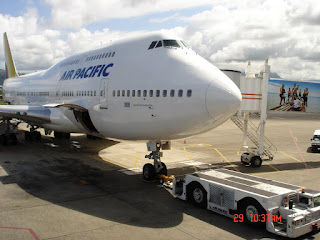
(13, 139)
(149, 173)
(3, 139)
(164, 170)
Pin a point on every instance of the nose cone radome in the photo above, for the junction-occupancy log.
(223, 99)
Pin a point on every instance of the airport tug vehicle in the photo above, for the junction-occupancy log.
(315, 141)
(284, 209)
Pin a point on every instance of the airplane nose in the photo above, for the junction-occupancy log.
(223, 99)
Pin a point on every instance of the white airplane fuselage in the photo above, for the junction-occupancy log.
(131, 92)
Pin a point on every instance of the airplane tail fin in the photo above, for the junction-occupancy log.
(10, 66)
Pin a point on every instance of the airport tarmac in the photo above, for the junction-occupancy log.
(92, 189)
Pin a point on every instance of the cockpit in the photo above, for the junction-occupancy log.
(169, 43)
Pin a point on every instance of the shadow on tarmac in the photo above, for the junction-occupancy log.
(49, 170)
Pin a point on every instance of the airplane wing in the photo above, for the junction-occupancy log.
(36, 114)
(31, 114)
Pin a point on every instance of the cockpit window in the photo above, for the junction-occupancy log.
(159, 44)
(152, 45)
(171, 43)
(185, 44)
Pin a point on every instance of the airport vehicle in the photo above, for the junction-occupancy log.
(284, 209)
(315, 141)
(147, 87)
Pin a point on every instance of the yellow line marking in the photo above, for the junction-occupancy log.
(296, 159)
(272, 166)
(190, 158)
(135, 164)
(117, 163)
(269, 172)
(226, 159)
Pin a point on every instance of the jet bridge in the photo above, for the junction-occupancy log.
(254, 89)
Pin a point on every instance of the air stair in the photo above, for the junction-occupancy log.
(254, 90)
(253, 134)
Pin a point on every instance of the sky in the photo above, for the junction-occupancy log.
(227, 33)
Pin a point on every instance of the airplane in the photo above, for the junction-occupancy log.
(151, 87)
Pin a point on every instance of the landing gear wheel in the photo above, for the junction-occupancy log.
(197, 195)
(256, 161)
(251, 208)
(164, 170)
(28, 136)
(149, 173)
(243, 156)
(36, 135)
(3, 139)
(13, 139)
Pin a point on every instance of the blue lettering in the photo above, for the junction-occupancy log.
(77, 73)
(92, 71)
(63, 76)
(69, 75)
(82, 73)
(96, 70)
(105, 74)
(101, 70)
(85, 74)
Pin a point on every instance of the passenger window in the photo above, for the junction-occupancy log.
(139, 93)
(128, 93)
(88, 93)
(172, 93)
(152, 45)
(123, 93)
(159, 44)
(158, 93)
(180, 93)
(91, 93)
(94, 93)
(109, 54)
(133, 93)
(164, 93)
(113, 54)
(114, 93)
(189, 93)
(144, 93)
(118, 93)
(151, 93)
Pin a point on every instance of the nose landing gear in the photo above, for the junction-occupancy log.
(158, 168)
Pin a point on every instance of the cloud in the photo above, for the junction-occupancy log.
(228, 34)
(77, 14)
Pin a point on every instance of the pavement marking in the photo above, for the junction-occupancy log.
(135, 164)
(294, 158)
(272, 166)
(226, 160)
(195, 168)
(29, 229)
(294, 139)
(115, 162)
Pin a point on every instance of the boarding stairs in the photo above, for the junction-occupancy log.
(253, 134)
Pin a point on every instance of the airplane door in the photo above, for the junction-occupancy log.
(104, 93)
